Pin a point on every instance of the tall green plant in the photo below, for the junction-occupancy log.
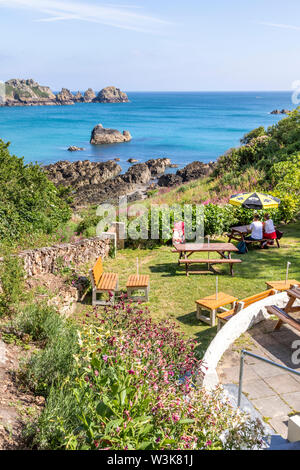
(11, 284)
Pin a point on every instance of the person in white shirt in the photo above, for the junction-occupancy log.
(256, 229)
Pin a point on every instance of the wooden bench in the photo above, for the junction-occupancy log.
(241, 232)
(283, 317)
(138, 283)
(212, 262)
(263, 240)
(103, 283)
(227, 315)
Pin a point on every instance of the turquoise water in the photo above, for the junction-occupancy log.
(182, 126)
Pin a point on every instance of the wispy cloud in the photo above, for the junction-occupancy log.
(282, 26)
(119, 16)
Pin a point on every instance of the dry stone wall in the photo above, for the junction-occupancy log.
(44, 260)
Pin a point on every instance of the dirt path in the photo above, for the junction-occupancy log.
(17, 405)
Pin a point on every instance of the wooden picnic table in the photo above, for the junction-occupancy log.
(212, 304)
(284, 314)
(241, 232)
(186, 250)
(282, 286)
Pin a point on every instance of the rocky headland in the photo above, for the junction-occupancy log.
(102, 136)
(19, 92)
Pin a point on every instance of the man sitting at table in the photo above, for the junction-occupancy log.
(256, 229)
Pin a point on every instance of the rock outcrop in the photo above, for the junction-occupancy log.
(82, 173)
(193, 171)
(111, 94)
(65, 97)
(280, 111)
(73, 148)
(158, 166)
(89, 95)
(95, 183)
(169, 180)
(78, 98)
(27, 93)
(135, 180)
(102, 136)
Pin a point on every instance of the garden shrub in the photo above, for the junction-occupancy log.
(29, 202)
(87, 226)
(55, 362)
(12, 277)
(40, 321)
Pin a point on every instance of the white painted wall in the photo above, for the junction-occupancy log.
(233, 329)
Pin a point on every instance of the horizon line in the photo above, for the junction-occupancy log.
(185, 91)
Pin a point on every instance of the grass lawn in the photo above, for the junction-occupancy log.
(173, 295)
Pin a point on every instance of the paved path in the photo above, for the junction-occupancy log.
(275, 393)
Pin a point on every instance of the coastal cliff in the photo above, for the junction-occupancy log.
(20, 92)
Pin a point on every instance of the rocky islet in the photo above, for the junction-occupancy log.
(27, 92)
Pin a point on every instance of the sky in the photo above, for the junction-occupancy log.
(152, 45)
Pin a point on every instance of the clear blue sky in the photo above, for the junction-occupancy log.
(152, 44)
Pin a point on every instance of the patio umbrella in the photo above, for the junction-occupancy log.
(255, 201)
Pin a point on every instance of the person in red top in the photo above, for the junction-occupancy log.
(269, 231)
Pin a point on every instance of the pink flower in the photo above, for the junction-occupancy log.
(105, 357)
(131, 372)
(208, 443)
(175, 417)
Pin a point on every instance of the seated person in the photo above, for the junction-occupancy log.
(178, 233)
(256, 230)
(269, 231)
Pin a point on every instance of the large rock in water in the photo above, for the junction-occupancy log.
(102, 136)
(89, 95)
(65, 97)
(78, 98)
(111, 94)
(158, 166)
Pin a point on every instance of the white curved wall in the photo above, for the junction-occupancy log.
(232, 330)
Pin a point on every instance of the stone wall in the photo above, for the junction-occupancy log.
(43, 260)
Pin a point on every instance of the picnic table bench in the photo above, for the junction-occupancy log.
(284, 314)
(240, 233)
(186, 250)
(225, 316)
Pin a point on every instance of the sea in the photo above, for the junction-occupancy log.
(183, 126)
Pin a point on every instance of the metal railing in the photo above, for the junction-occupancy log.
(247, 353)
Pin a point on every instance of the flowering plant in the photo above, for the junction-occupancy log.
(136, 386)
